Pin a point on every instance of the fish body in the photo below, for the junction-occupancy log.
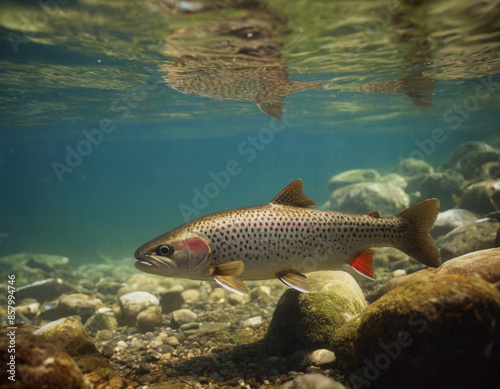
(285, 239)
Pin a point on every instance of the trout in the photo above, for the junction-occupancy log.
(285, 238)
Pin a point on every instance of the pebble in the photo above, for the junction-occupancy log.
(321, 357)
(149, 318)
(135, 302)
(399, 273)
(191, 295)
(182, 316)
(261, 292)
(190, 326)
(252, 322)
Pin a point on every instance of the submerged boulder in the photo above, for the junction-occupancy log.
(468, 238)
(308, 319)
(482, 197)
(386, 198)
(354, 176)
(41, 364)
(78, 304)
(451, 219)
(447, 323)
(410, 167)
(135, 302)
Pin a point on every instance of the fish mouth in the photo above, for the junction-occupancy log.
(151, 263)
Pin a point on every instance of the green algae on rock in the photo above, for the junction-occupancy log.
(308, 319)
(42, 364)
(447, 325)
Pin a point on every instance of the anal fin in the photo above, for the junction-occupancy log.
(362, 263)
(294, 279)
(232, 283)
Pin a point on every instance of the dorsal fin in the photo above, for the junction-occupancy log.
(375, 214)
(294, 196)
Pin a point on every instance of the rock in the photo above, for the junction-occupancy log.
(485, 263)
(218, 294)
(468, 238)
(252, 322)
(410, 167)
(47, 262)
(103, 319)
(482, 197)
(394, 179)
(464, 149)
(43, 290)
(182, 316)
(446, 322)
(236, 299)
(69, 334)
(308, 319)
(352, 177)
(150, 283)
(190, 326)
(312, 381)
(78, 304)
(172, 341)
(471, 163)
(191, 295)
(261, 293)
(109, 286)
(41, 364)
(171, 301)
(399, 273)
(321, 357)
(27, 310)
(451, 219)
(443, 185)
(135, 302)
(388, 199)
(149, 318)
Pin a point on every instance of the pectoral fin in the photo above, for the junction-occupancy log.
(225, 276)
(232, 283)
(294, 279)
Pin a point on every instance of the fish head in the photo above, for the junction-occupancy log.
(174, 255)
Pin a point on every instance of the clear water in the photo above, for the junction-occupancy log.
(80, 65)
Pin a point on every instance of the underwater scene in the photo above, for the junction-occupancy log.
(296, 194)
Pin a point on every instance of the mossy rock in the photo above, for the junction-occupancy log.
(352, 177)
(41, 364)
(434, 324)
(410, 167)
(308, 319)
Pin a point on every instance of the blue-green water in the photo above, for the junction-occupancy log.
(155, 149)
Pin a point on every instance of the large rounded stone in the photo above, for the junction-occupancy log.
(69, 334)
(468, 238)
(150, 318)
(410, 167)
(386, 198)
(41, 364)
(308, 319)
(135, 302)
(443, 185)
(354, 176)
(78, 304)
(451, 219)
(446, 323)
(482, 197)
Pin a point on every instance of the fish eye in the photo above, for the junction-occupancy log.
(165, 250)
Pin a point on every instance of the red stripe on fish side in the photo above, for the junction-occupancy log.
(197, 245)
(363, 263)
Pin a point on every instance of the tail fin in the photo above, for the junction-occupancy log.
(420, 218)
